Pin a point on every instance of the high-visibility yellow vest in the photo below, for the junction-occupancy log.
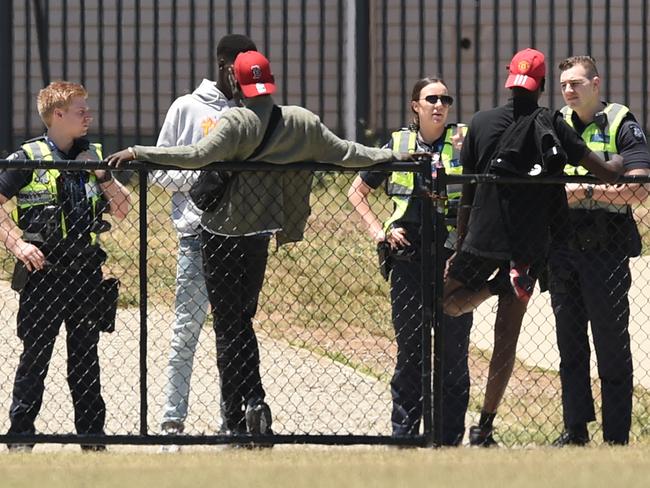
(42, 190)
(402, 183)
(600, 142)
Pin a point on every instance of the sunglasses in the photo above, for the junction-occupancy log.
(446, 100)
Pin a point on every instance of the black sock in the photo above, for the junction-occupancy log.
(486, 420)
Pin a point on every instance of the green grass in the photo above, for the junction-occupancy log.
(348, 467)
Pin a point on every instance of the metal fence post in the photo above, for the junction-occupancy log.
(439, 237)
(362, 40)
(428, 302)
(43, 34)
(6, 78)
(143, 176)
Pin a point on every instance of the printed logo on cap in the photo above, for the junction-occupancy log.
(523, 66)
(256, 71)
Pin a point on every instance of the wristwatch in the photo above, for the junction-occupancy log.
(589, 192)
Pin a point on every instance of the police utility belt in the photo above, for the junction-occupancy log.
(100, 305)
(601, 230)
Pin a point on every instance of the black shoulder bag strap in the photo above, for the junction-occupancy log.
(210, 187)
(276, 116)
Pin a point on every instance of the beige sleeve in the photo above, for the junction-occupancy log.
(348, 153)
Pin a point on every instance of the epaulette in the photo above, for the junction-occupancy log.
(35, 139)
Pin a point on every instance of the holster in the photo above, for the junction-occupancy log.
(384, 259)
(104, 304)
(590, 233)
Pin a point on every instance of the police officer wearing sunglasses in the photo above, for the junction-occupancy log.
(401, 233)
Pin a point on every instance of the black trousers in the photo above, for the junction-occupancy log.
(592, 286)
(234, 274)
(53, 296)
(406, 384)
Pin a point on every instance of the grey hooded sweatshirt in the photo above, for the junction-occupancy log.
(188, 120)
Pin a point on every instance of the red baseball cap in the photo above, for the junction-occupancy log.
(527, 69)
(253, 73)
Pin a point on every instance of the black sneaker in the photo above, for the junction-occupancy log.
(258, 422)
(93, 448)
(571, 438)
(258, 419)
(481, 437)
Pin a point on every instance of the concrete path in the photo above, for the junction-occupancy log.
(537, 343)
(308, 393)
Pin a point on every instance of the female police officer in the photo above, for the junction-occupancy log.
(428, 132)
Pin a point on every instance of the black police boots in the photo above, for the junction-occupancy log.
(573, 436)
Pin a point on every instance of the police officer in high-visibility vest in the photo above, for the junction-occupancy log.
(589, 271)
(54, 233)
(429, 132)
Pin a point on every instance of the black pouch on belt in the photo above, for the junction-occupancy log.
(105, 304)
(591, 232)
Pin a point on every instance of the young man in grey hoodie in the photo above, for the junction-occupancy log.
(188, 120)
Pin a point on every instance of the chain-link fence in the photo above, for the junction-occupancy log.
(323, 325)
(574, 357)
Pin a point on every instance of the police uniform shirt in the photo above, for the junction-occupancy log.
(72, 185)
(374, 179)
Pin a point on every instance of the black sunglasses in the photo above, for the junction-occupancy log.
(446, 100)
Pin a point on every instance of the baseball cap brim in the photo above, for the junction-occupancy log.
(522, 81)
(257, 89)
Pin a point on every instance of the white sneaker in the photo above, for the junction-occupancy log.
(171, 428)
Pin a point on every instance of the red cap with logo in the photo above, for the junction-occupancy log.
(253, 73)
(527, 69)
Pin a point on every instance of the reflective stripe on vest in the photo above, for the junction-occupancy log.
(599, 142)
(402, 183)
(596, 140)
(42, 190)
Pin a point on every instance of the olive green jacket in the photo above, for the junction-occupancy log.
(258, 201)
